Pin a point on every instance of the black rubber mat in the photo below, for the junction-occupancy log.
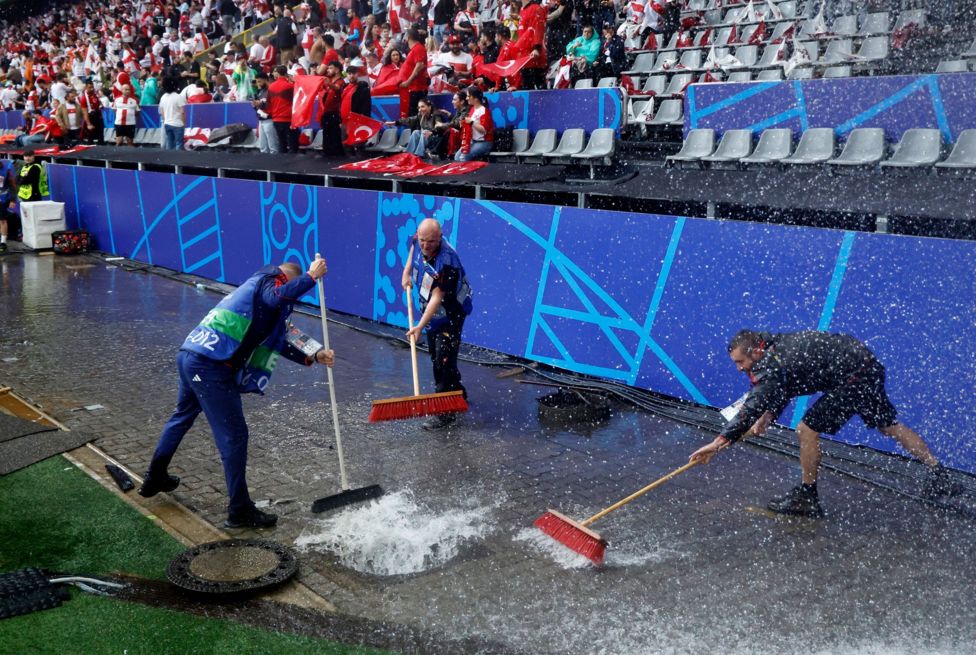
(12, 427)
(20, 450)
(28, 590)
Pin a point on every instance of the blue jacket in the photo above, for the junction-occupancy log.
(446, 273)
(247, 329)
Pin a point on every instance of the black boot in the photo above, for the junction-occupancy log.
(801, 500)
(252, 518)
(439, 421)
(938, 482)
(156, 482)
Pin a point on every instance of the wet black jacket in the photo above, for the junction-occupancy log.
(797, 364)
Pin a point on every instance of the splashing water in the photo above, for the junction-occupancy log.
(395, 535)
(637, 555)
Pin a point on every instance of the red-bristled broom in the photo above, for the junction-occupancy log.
(417, 405)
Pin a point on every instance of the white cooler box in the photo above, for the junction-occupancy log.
(40, 220)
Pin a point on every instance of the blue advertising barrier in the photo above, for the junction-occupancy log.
(647, 300)
(532, 110)
(895, 103)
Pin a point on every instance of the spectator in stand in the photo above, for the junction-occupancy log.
(71, 116)
(612, 60)
(126, 110)
(267, 135)
(584, 50)
(477, 128)
(330, 104)
(202, 94)
(329, 54)
(488, 48)
(281, 92)
(9, 96)
(467, 20)
(150, 90)
(37, 128)
(189, 69)
(670, 21)
(414, 81)
(456, 61)
(532, 32)
(95, 130)
(172, 112)
(228, 16)
(443, 12)
(60, 87)
(355, 30)
(559, 25)
(256, 53)
(342, 8)
(606, 14)
(373, 66)
(422, 127)
(243, 80)
(286, 34)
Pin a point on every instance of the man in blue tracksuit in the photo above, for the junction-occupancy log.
(445, 299)
(233, 351)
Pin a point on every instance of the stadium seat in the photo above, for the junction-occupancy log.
(700, 143)
(643, 111)
(671, 112)
(250, 141)
(873, 49)
(599, 149)
(691, 60)
(837, 71)
(816, 146)
(747, 56)
(971, 52)
(740, 76)
(316, 142)
(732, 15)
(654, 85)
(917, 147)
(671, 45)
(917, 17)
(735, 145)
(963, 155)
(713, 17)
(807, 29)
(571, 142)
(721, 37)
(800, 73)
(876, 23)
(865, 146)
(140, 137)
(643, 64)
(844, 26)
(781, 29)
(812, 48)
(109, 134)
(678, 83)
(770, 75)
(837, 52)
(583, 83)
(607, 83)
(774, 146)
(520, 143)
(387, 141)
(770, 56)
(665, 61)
(953, 66)
(544, 142)
(402, 141)
(789, 10)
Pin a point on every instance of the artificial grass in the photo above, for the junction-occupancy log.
(54, 516)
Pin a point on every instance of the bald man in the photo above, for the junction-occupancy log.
(232, 351)
(445, 300)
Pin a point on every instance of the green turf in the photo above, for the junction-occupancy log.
(54, 516)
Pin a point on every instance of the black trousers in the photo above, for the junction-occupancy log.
(444, 344)
(533, 78)
(332, 134)
(287, 137)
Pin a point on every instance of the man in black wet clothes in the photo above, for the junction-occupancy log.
(851, 381)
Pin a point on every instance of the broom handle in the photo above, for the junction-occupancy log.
(413, 344)
(638, 494)
(344, 483)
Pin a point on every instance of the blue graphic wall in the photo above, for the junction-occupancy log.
(895, 103)
(533, 110)
(643, 299)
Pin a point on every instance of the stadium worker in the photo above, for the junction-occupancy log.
(445, 300)
(851, 381)
(233, 351)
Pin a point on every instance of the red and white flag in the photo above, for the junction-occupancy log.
(562, 75)
(503, 69)
(195, 137)
(129, 60)
(307, 87)
(360, 129)
(759, 35)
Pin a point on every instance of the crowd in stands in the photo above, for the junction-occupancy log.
(63, 66)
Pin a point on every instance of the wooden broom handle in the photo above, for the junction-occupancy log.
(413, 343)
(343, 481)
(638, 494)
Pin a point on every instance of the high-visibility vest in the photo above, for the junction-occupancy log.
(27, 190)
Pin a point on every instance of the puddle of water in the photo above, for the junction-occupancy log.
(635, 553)
(396, 535)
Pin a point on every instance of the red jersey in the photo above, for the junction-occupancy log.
(417, 55)
(281, 92)
(532, 32)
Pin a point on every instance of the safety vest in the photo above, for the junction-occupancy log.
(220, 333)
(425, 274)
(26, 191)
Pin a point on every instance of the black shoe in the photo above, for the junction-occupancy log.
(938, 482)
(3, 247)
(253, 518)
(798, 501)
(439, 421)
(153, 484)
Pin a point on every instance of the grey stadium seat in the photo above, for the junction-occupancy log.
(873, 49)
(917, 147)
(770, 75)
(837, 52)
(700, 143)
(691, 60)
(599, 149)
(740, 76)
(654, 85)
(837, 71)
(770, 56)
(912, 17)
(774, 146)
(678, 83)
(801, 73)
(671, 112)
(816, 146)
(520, 143)
(747, 56)
(735, 145)
(845, 26)
(387, 141)
(865, 146)
(953, 66)
(643, 63)
(665, 61)
(963, 155)
(876, 23)
(571, 142)
(606, 83)
(583, 83)
(544, 141)
(971, 52)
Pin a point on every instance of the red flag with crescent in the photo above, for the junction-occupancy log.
(360, 129)
(503, 69)
(307, 87)
(388, 83)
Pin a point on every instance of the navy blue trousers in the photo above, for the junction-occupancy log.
(209, 387)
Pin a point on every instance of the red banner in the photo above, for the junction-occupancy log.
(388, 83)
(408, 165)
(502, 69)
(57, 152)
(307, 87)
(360, 129)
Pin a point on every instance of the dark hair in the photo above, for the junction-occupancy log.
(329, 40)
(389, 52)
(463, 95)
(476, 92)
(281, 70)
(745, 339)
(414, 35)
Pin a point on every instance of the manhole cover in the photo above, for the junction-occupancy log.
(232, 566)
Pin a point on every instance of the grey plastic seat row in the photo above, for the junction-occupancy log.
(865, 146)
(643, 63)
(917, 147)
(543, 142)
(963, 155)
(520, 143)
(571, 142)
(953, 66)
(671, 112)
(387, 141)
(699, 143)
(599, 149)
(735, 145)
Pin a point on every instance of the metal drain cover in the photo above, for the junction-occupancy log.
(232, 566)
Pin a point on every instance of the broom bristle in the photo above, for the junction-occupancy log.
(573, 535)
(416, 406)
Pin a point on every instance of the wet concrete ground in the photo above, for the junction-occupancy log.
(691, 568)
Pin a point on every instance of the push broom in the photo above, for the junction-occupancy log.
(577, 536)
(417, 405)
(346, 496)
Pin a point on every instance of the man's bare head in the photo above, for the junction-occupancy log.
(429, 236)
(291, 270)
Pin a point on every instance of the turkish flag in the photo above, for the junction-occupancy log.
(502, 69)
(759, 35)
(360, 129)
(307, 87)
(405, 164)
(388, 83)
(457, 168)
